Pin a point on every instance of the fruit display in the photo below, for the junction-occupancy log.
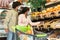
(56, 24)
(41, 25)
(47, 24)
(49, 12)
(53, 24)
(57, 10)
(49, 21)
(36, 15)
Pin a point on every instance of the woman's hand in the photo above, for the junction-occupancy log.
(38, 23)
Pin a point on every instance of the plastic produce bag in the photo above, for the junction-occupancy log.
(23, 28)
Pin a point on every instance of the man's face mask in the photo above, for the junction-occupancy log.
(19, 9)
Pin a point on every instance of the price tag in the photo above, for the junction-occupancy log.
(57, 25)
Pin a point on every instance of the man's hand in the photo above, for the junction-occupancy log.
(6, 30)
(19, 33)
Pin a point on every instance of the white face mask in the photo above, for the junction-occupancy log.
(19, 9)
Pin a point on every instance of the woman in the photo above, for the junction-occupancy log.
(24, 20)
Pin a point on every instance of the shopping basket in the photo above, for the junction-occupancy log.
(41, 36)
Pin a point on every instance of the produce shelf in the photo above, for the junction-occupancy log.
(50, 18)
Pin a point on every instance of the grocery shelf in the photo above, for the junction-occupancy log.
(3, 35)
(51, 4)
(2, 31)
(44, 19)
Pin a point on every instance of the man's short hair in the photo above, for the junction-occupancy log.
(15, 4)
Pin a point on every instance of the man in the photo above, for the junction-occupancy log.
(11, 20)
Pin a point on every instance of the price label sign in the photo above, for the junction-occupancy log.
(57, 25)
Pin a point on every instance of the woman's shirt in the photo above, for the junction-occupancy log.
(23, 21)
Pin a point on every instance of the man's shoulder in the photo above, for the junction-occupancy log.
(12, 10)
(9, 10)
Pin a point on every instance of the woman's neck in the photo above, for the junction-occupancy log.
(25, 15)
